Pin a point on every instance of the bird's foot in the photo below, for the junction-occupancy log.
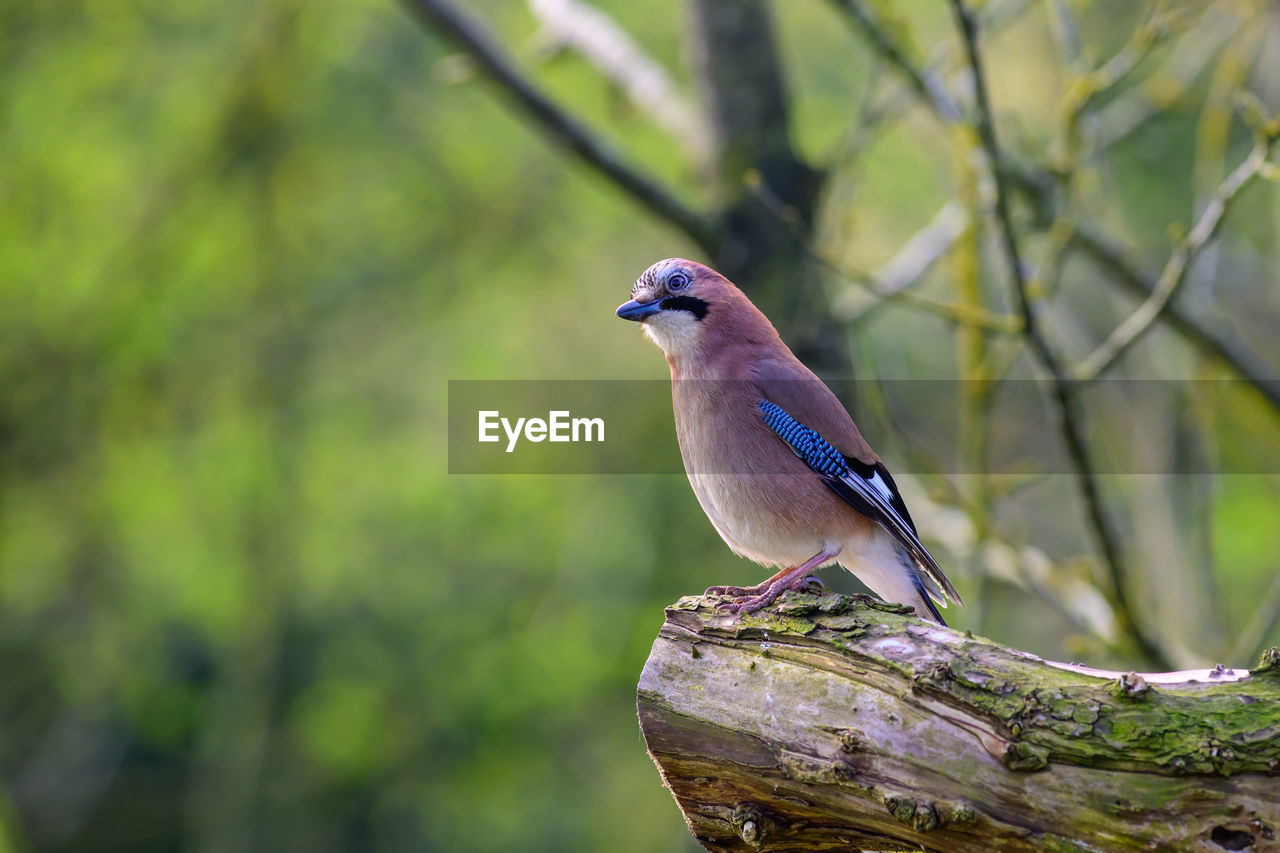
(768, 595)
(792, 577)
(813, 581)
(755, 602)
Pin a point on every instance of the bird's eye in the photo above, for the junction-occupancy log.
(677, 281)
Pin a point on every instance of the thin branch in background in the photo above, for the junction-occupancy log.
(443, 17)
(1106, 253)
(1086, 89)
(1141, 321)
(1125, 115)
(1066, 32)
(595, 35)
(1065, 402)
(994, 16)
(925, 81)
(960, 314)
(872, 117)
(908, 265)
(973, 433)
(1213, 138)
(1235, 355)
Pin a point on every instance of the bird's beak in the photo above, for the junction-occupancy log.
(634, 310)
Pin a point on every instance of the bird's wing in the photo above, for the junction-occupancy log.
(865, 486)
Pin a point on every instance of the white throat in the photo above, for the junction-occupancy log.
(675, 332)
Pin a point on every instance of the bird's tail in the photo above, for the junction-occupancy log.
(927, 601)
(926, 589)
(888, 570)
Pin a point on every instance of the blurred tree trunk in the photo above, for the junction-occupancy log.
(767, 195)
(825, 723)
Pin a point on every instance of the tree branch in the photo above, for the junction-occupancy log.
(1212, 31)
(1122, 117)
(889, 282)
(993, 16)
(561, 127)
(926, 83)
(1237, 357)
(1087, 88)
(1137, 324)
(829, 723)
(611, 49)
(1065, 403)
(913, 259)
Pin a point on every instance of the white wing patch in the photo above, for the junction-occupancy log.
(881, 486)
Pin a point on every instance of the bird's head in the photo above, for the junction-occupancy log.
(674, 300)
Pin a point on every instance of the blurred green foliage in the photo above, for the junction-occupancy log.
(242, 603)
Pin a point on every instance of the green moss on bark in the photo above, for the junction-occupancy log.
(1048, 715)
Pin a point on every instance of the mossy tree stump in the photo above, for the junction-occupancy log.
(830, 723)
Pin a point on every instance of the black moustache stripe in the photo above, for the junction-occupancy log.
(695, 306)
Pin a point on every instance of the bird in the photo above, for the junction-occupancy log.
(773, 457)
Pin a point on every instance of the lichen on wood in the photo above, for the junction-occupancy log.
(832, 722)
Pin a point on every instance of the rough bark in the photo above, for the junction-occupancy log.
(831, 723)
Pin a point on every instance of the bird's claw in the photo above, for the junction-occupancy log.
(751, 599)
(752, 603)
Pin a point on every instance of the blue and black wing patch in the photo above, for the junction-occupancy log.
(867, 488)
(804, 442)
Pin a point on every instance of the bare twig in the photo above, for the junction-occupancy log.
(597, 37)
(1119, 118)
(1102, 250)
(444, 17)
(872, 117)
(1088, 88)
(1066, 32)
(1237, 357)
(923, 248)
(994, 16)
(1065, 402)
(926, 82)
(1126, 114)
(962, 315)
(974, 317)
(915, 258)
(1137, 324)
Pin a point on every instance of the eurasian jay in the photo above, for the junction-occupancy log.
(773, 457)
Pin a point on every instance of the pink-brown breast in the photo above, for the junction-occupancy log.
(764, 501)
